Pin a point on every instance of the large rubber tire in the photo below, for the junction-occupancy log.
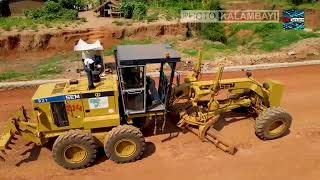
(72, 145)
(124, 144)
(273, 123)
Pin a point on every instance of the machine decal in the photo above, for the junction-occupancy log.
(74, 107)
(97, 94)
(72, 97)
(58, 98)
(98, 103)
(227, 86)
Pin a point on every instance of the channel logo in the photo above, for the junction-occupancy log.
(293, 19)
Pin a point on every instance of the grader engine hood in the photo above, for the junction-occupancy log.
(275, 92)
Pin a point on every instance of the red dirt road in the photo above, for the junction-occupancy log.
(295, 156)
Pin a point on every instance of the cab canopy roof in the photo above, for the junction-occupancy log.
(145, 54)
(83, 46)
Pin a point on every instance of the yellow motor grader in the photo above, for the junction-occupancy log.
(79, 120)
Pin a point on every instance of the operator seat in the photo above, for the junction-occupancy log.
(153, 98)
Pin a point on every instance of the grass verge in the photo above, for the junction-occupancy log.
(22, 23)
(48, 68)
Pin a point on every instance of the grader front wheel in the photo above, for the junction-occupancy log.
(272, 123)
(74, 149)
(124, 144)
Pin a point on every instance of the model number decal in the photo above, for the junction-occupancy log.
(72, 97)
(42, 100)
(58, 98)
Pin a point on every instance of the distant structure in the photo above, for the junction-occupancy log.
(108, 8)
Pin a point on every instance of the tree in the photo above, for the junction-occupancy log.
(4, 8)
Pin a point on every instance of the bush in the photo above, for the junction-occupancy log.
(52, 7)
(152, 17)
(296, 2)
(52, 10)
(72, 4)
(265, 29)
(140, 10)
(212, 5)
(136, 9)
(213, 31)
(127, 7)
(69, 14)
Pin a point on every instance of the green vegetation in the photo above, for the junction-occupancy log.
(266, 37)
(134, 9)
(22, 23)
(249, 37)
(298, 4)
(190, 52)
(213, 31)
(275, 40)
(53, 13)
(172, 8)
(152, 17)
(10, 75)
(53, 10)
(49, 68)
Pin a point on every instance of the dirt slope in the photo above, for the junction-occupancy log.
(15, 45)
(295, 156)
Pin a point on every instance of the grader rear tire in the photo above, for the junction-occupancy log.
(74, 150)
(124, 144)
(272, 123)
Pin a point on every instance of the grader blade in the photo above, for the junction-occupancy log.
(3, 153)
(17, 125)
(221, 142)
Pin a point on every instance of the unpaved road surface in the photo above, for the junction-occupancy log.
(295, 156)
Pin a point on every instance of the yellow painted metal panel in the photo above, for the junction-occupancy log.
(101, 121)
(276, 91)
(75, 112)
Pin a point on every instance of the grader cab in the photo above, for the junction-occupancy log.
(79, 120)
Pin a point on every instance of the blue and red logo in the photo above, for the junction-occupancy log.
(293, 19)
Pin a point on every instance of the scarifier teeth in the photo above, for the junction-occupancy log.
(2, 159)
(17, 133)
(3, 152)
(13, 143)
(13, 138)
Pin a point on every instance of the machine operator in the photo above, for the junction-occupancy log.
(88, 65)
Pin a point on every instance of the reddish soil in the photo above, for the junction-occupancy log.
(295, 156)
(34, 45)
